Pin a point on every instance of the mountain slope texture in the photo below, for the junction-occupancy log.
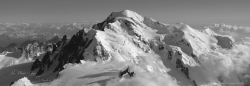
(127, 49)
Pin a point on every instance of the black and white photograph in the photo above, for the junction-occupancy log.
(124, 42)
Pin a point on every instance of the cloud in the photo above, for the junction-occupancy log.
(231, 27)
(238, 32)
(234, 61)
(228, 62)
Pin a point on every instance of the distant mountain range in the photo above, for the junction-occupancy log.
(17, 33)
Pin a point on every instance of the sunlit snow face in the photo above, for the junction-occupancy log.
(145, 79)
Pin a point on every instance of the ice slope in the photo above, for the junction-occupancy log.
(11, 58)
(175, 53)
(22, 82)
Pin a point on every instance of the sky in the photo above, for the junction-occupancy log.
(236, 12)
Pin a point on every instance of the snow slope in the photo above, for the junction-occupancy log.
(159, 54)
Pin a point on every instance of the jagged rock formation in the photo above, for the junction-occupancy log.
(74, 48)
(28, 51)
(31, 50)
(127, 36)
(126, 71)
(30, 46)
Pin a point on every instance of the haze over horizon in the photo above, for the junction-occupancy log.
(235, 12)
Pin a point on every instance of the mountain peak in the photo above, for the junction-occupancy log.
(126, 13)
(127, 37)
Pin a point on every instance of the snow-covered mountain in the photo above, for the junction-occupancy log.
(158, 54)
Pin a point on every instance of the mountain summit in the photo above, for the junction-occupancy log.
(156, 54)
